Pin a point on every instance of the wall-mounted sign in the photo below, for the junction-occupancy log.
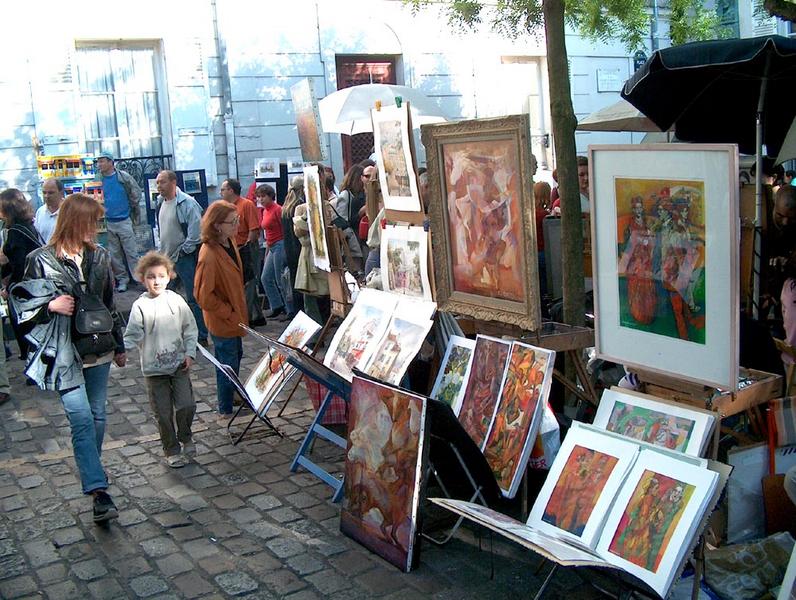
(610, 80)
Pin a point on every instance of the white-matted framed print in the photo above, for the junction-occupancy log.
(665, 231)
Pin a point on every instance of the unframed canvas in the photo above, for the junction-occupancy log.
(383, 470)
(515, 424)
(399, 345)
(480, 205)
(396, 168)
(316, 218)
(308, 121)
(404, 260)
(665, 261)
(453, 373)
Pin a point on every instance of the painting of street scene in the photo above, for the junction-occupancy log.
(396, 170)
(482, 179)
(383, 467)
(349, 347)
(403, 267)
(661, 256)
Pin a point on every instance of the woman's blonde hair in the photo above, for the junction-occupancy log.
(77, 223)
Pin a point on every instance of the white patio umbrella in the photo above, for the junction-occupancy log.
(619, 116)
(348, 110)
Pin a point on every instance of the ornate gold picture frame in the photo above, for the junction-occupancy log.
(482, 227)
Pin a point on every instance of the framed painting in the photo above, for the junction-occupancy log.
(518, 414)
(308, 121)
(383, 470)
(584, 478)
(655, 421)
(665, 259)
(294, 165)
(315, 216)
(453, 373)
(404, 252)
(482, 229)
(356, 339)
(483, 386)
(391, 131)
(654, 518)
(271, 373)
(266, 168)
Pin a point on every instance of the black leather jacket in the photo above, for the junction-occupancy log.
(96, 266)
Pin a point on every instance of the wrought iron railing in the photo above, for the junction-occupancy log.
(140, 166)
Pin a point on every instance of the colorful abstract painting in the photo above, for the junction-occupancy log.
(651, 426)
(453, 372)
(578, 489)
(482, 182)
(661, 256)
(383, 469)
(486, 375)
(517, 416)
(649, 519)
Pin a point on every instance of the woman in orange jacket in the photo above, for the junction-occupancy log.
(218, 288)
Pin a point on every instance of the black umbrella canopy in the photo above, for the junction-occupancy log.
(710, 90)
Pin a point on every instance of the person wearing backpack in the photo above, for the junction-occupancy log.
(21, 239)
(67, 293)
(179, 224)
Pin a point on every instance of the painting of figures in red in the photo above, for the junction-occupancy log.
(486, 375)
(578, 488)
(649, 520)
(661, 256)
(513, 433)
(482, 180)
(383, 467)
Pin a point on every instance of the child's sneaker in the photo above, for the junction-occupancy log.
(189, 448)
(176, 461)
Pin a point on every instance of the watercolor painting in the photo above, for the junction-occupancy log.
(453, 372)
(404, 256)
(317, 226)
(383, 470)
(649, 519)
(396, 170)
(578, 488)
(305, 106)
(661, 256)
(398, 347)
(515, 426)
(355, 340)
(486, 375)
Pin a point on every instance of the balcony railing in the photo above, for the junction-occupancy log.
(140, 166)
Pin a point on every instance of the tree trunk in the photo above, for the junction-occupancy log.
(564, 122)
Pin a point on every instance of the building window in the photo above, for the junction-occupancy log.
(119, 104)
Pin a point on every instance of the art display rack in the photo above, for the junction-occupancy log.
(335, 385)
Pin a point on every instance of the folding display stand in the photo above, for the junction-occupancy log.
(233, 377)
(336, 385)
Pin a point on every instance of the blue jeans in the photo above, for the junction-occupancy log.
(85, 408)
(271, 278)
(228, 351)
(373, 261)
(185, 267)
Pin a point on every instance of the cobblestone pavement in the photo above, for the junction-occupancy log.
(233, 523)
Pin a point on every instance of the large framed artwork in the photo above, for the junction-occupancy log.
(383, 470)
(518, 414)
(404, 254)
(308, 120)
(483, 232)
(665, 259)
(391, 131)
(315, 216)
(658, 422)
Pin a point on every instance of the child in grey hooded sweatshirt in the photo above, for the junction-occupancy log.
(163, 328)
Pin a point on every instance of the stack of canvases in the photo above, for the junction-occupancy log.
(628, 493)
(498, 389)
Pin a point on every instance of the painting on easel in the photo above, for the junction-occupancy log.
(383, 470)
(315, 218)
(394, 158)
(404, 259)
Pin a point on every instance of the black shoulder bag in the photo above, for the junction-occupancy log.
(92, 322)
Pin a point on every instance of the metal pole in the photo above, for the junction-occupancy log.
(759, 191)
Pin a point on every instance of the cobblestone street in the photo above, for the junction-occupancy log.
(233, 523)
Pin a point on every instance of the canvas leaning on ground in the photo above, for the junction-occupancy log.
(664, 224)
(480, 204)
(391, 141)
(383, 470)
(404, 260)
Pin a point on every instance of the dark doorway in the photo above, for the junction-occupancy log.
(357, 70)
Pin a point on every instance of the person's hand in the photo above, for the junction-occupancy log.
(3, 258)
(120, 359)
(4, 293)
(186, 364)
(63, 305)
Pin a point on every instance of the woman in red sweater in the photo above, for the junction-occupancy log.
(280, 299)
